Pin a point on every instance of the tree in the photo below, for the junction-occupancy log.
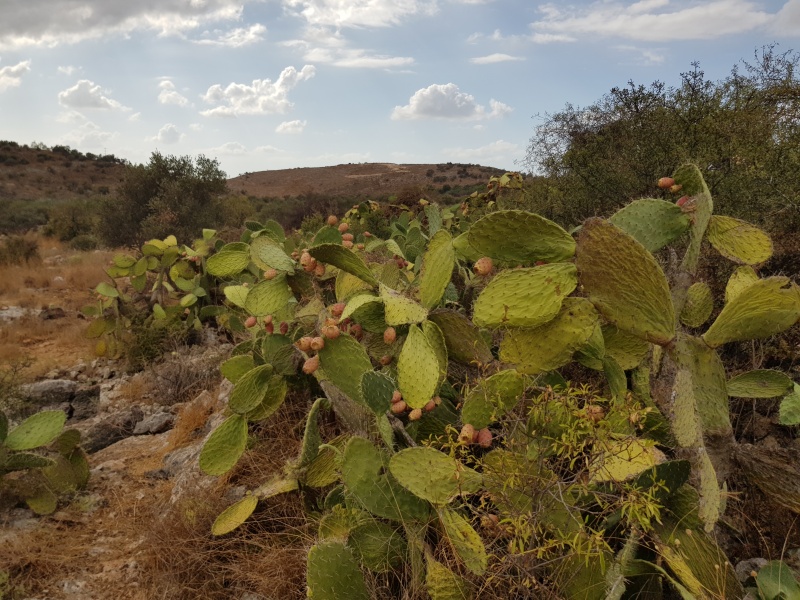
(169, 195)
(744, 131)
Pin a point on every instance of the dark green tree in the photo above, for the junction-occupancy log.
(169, 195)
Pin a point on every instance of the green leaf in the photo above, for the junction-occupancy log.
(741, 279)
(37, 430)
(776, 581)
(250, 389)
(106, 289)
(236, 294)
(224, 446)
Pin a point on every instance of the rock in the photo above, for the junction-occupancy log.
(746, 567)
(52, 313)
(111, 429)
(155, 423)
(85, 403)
(51, 391)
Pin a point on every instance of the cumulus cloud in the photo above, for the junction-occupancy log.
(359, 13)
(650, 20)
(68, 70)
(235, 38)
(88, 135)
(499, 152)
(497, 57)
(230, 149)
(49, 23)
(296, 126)
(168, 134)
(12, 76)
(87, 94)
(261, 98)
(169, 95)
(787, 22)
(446, 101)
(325, 45)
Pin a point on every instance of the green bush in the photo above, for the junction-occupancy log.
(19, 250)
(84, 242)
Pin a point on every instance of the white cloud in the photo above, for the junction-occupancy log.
(230, 149)
(787, 22)
(497, 57)
(235, 38)
(135, 117)
(88, 135)
(549, 38)
(12, 76)
(68, 70)
(325, 45)
(169, 95)
(168, 134)
(446, 101)
(49, 23)
(360, 13)
(499, 152)
(269, 150)
(195, 127)
(262, 98)
(296, 126)
(87, 94)
(651, 20)
(643, 56)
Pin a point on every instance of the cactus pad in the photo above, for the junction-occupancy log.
(738, 240)
(20, 461)
(266, 253)
(519, 237)
(551, 345)
(37, 430)
(348, 285)
(332, 573)
(268, 297)
(344, 362)
(741, 279)
(323, 470)
(525, 297)
(463, 340)
(625, 348)
(399, 309)
(377, 390)
(327, 235)
(250, 389)
(227, 263)
(272, 400)
(235, 367)
(690, 178)
(789, 413)
(437, 268)
(708, 382)
(699, 305)
(380, 546)
(770, 306)
(761, 383)
(442, 584)
(224, 446)
(233, 516)
(624, 282)
(433, 475)
(417, 369)
(492, 398)
(653, 223)
(344, 259)
(624, 459)
(465, 541)
(436, 339)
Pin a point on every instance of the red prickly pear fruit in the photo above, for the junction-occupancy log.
(485, 438)
(317, 343)
(348, 237)
(311, 365)
(305, 258)
(343, 227)
(360, 246)
(356, 331)
(250, 322)
(284, 328)
(415, 415)
(389, 336)
(666, 182)
(270, 274)
(330, 331)
(475, 437)
(304, 343)
(295, 254)
(539, 263)
(675, 188)
(367, 234)
(483, 266)
(337, 309)
(385, 360)
(467, 434)
(398, 408)
(319, 269)
(333, 220)
(347, 244)
(396, 396)
(269, 327)
(682, 200)
(430, 405)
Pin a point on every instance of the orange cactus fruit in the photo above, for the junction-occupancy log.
(467, 434)
(485, 438)
(398, 408)
(250, 321)
(415, 415)
(389, 336)
(666, 182)
(311, 365)
(333, 220)
(483, 266)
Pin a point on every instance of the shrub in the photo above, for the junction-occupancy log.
(84, 242)
(19, 250)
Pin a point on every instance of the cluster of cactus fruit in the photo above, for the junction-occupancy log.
(40, 461)
(439, 350)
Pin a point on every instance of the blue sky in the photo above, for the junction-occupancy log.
(270, 84)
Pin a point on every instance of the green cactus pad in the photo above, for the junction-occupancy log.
(624, 282)
(357, 302)
(463, 250)
(224, 446)
(417, 369)
(340, 521)
(324, 469)
(436, 339)
(617, 382)
(738, 240)
(79, 462)
(620, 460)
(770, 306)
(268, 297)
(233, 516)
(227, 264)
(332, 573)
(37, 430)
(741, 279)
(625, 348)
(42, 501)
(653, 223)
(348, 285)
(60, 476)
(519, 237)
(20, 461)
(466, 542)
(789, 412)
(695, 187)
(236, 294)
(709, 508)
(492, 398)
(380, 546)
(551, 346)
(433, 475)
(344, 259)
(327, 235)
(366, 310)
(463, 340)
(344, 362)
(401, 310)
(311, 436)
(699, 305)
(272, 400)
(377, 389)
(250, 389)
(442, 584)
(437, 268)
(266, 253)
(525, 297)
(761, 383)
(684, 417)
(366, 475)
